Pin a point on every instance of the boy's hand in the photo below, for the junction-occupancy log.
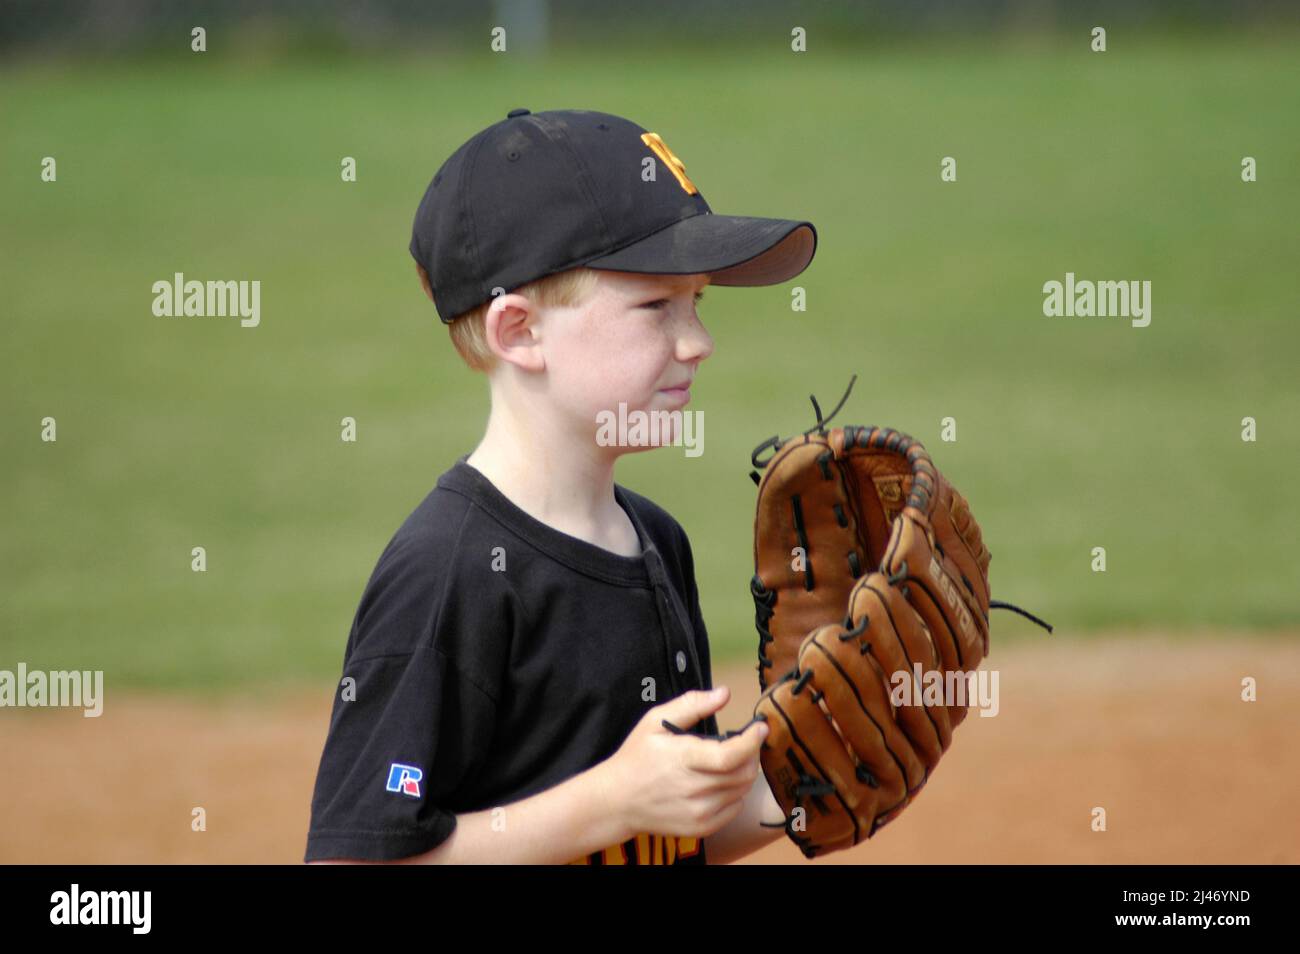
(670, 784)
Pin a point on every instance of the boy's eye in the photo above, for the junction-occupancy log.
(660, 302)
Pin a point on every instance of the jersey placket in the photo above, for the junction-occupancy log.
(679, 642)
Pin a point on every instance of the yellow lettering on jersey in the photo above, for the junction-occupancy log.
(646, 849)
(615, 855)
(675, 165)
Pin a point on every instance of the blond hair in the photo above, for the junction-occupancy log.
(563, 289)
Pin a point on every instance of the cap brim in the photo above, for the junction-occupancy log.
(733, 249)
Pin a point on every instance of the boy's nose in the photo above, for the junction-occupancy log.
(695, 343)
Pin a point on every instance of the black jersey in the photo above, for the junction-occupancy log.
(493, 657)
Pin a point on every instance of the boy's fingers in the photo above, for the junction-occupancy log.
(736, 783)
(711, 756)
(690, 707)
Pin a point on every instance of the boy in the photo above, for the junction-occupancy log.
(532, 624)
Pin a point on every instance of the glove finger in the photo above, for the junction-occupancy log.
(961, 543)
(964, 522)
(900, 641)
(808, 767)
(855, 692)
(959, 630)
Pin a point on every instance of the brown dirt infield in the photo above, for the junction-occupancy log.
(1152, 729)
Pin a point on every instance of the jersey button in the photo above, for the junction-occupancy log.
(681, 661)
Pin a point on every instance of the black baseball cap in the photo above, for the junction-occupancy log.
(540, 193)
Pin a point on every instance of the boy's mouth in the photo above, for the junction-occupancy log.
(681, 391)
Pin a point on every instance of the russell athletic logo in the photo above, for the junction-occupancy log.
(405, 779)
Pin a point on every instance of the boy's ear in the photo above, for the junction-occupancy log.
(424, 281)
(510, 327)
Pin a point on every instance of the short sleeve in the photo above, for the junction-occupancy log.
(415, 712)
(406, 734)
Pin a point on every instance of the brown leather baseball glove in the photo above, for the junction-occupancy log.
(870, 584)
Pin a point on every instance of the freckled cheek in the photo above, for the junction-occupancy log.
(636, 363)
(604, 366)
(584, 370)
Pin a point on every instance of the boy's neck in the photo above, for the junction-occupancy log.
(568, 488)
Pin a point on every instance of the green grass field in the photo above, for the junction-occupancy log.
(1072, 433)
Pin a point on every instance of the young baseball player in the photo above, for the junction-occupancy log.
(533, 624)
